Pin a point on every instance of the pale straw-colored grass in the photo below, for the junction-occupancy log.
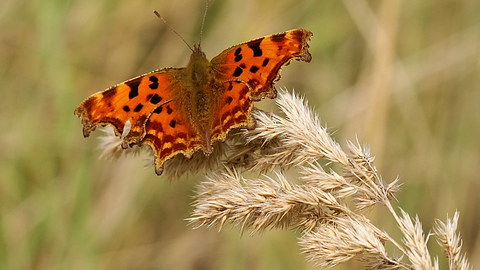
(327, 202)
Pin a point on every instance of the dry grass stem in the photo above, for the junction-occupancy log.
(327, 203)
(318, 203)
(258, 205)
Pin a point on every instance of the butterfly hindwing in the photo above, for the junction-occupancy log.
(169, 132)
(233, 110)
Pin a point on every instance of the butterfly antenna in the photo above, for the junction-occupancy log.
(171, 28)
(203, 22)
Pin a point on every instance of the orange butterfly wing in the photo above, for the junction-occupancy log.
(257, 63)
(133, 100)
(233, 111)
(169, 132)
(249, 71)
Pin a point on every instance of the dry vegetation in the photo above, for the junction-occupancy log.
(328, 207)
(401, 76)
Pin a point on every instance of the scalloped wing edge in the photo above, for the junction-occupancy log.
(127, 141)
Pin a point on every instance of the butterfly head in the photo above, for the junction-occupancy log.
(198, 60)
(197, 49)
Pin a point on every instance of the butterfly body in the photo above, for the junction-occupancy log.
(197, 97)
(183, 110)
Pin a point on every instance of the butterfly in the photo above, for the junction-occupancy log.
(184, 110)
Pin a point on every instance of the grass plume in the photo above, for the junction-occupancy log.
(328, 205)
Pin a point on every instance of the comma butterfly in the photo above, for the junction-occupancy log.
(183, 110)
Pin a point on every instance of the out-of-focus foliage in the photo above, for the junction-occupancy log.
(403, 76)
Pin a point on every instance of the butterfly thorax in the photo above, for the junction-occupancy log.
(197, 68)
(201, 97)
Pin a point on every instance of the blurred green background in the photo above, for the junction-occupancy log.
(402, 76)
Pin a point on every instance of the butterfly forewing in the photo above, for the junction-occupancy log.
(132, 100)
(257, 63)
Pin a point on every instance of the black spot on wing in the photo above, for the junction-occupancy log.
(126, 108)
(138, 108)
(255, 46)
(265, 62)
(278, 37)
(158, 110)
(238, 55)
(155, 99)
(110, 92)
(169, 110)
(238, 71)
(133, 87)
(154, 82)
(173, 123)
(254, 69)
